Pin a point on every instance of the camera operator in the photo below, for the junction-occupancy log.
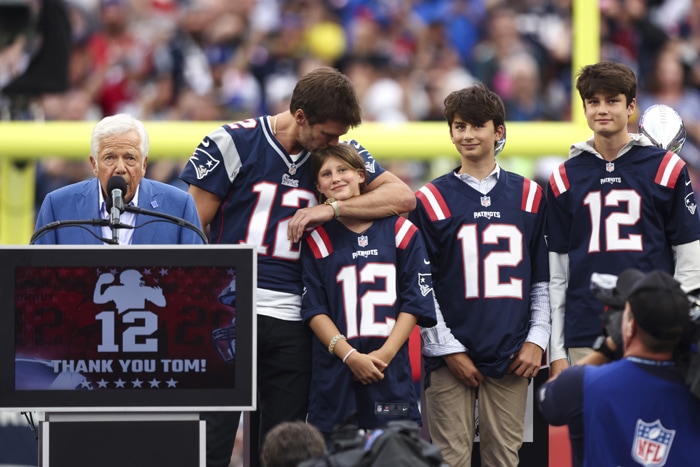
(636, 410)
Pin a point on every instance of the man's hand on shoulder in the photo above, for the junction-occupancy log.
(308, 218)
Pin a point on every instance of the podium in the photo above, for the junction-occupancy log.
(119, 440)
(123, 347)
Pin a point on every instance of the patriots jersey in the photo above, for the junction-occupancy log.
(485, 251)
(261, 187)
(610, 216)
(362, 282)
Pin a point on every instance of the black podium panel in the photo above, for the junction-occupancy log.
(129, 443)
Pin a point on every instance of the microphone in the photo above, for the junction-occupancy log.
(116, 189)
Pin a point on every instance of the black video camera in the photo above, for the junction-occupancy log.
(604, 288)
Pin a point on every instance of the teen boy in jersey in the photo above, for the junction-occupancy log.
(618, 202)
(484, 231)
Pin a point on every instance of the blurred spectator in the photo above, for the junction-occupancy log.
(501, 41)
(690, 42)
(547, 26)
(637, 40)
(669, 85)
(53, 173)
(525, 102)
(457, 21)
(121, 60)
(444, 76)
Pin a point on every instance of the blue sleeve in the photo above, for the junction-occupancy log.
(45, 217)
(558, 221)
(374, 170)
(190, 214)
(561, 399)
(415, 282)
(682, 223)
(313, 298)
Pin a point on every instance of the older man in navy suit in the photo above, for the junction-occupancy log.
(119, 147)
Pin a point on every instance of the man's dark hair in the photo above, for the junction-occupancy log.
(476, 104)
(609, 78)
(290, 443)
(326, 94)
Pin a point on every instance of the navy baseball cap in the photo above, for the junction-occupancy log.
(657, 301)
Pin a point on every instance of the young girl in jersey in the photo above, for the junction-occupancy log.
(366, 285)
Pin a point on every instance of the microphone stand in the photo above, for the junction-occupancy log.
(177, 220)
(80, 223)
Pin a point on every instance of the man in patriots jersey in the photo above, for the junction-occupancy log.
(637, 410)
(484, 231)
(252, 184)
(366, 285)
(617, 202)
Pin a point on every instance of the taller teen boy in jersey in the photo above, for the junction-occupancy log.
(618, 202)
(484, 232)
(252, 183)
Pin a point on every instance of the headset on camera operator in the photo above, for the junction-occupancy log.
(642, 407)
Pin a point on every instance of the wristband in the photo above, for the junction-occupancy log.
(332, 202)
(348, 354)
(331, 344)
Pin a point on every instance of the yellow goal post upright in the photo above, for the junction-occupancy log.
(23, 143)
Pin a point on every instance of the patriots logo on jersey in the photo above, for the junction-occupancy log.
(424, 283)
(690, 203)
(370, 166)
(203, 163)
(652, 443)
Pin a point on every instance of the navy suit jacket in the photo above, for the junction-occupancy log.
(80, 201)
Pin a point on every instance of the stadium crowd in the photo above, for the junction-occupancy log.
(220, 60)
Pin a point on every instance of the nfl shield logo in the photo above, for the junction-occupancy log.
(610, 167)
(362, 240)
(651, 444)
(486, 201)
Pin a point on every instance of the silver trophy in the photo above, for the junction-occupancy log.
(664, 127)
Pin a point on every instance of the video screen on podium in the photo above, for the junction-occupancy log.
(118, 328)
